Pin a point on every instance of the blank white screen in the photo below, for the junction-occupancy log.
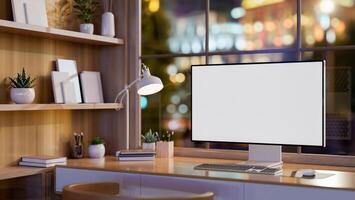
(269, 103)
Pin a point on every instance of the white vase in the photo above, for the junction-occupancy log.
(149, 146)
(96, 151)
(22, 95)
(87, 28)
(108, 24)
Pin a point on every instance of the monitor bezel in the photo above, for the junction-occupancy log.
(279, 62)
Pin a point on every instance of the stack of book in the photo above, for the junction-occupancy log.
(42, 161)
(135, 155)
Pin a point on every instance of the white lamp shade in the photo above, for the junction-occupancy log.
(149, 84)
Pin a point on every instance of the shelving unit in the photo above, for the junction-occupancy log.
(45, 128)
(85, 106)
(58, 34)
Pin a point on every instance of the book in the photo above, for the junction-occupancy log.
(135, 152)
(147, 158)
(44, 165)
(44, 159)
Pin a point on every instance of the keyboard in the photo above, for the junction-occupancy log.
(253, 169)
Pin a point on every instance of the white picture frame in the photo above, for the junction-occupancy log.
(91, 87)
(32, 12)
(70, 67)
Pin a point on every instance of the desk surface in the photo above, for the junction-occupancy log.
(17, 172)
(338, 177)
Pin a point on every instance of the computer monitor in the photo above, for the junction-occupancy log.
(279, 103)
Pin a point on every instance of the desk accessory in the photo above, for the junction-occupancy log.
(97, 148)
(165, 145)
(149, 139)
(22, 91)
(91, 87)
(42, 161)
(240, 168)
(135, 155)
(30, 12)
(78, 145)
(146, 84)
(69, 66)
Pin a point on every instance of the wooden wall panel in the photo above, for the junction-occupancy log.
(50, 132)
(41, 132)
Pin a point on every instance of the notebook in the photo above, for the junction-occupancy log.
(43, 159)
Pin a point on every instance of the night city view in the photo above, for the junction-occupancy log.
(243, 31)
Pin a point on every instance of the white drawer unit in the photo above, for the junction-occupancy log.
(129, 183)
(173, 186)
(280, 192)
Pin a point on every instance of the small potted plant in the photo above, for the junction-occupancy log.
(85, 10)
(97, 148)
(165, 145)
(22, 88)
(149, 139)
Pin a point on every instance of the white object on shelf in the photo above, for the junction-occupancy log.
(68, 92)
(57, 82)
(87, 28)
(96, 151)
(91, 87)
(69, 66)
(22, 95)
(108, 24)
(30, 12)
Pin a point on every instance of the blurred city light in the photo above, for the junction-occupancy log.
(144, 102)
(327, 6)
(154, 5)
(238, 12)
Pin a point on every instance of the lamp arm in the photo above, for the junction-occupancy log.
(123, 92)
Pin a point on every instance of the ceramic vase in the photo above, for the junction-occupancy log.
(96, 151)
(108, 24)
(87, 28)
(22, 95)
(165, 149)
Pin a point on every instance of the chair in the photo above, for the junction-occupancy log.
(110, 191)
(91, 191)
(204, 196)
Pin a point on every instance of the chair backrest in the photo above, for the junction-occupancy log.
(204, 196)
(91, 191)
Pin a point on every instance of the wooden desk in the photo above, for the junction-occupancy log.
(180, 168)
(26, 183)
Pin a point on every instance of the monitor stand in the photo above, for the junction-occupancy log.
(265, 155)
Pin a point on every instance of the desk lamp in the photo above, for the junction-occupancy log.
(146, 84)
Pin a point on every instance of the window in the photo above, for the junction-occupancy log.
(179, 33)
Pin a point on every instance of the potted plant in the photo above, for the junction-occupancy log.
(22, 91)
(97, 148)
(165, 145)
(85, 10)
(149, 139)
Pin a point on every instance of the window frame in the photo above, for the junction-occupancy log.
(298, 49)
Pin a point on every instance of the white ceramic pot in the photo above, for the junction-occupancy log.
(108, 24)
(148, 146)
(96, 151)
(22, 95)
(87, 28)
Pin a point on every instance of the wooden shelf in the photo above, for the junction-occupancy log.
(84, 106)
(58, 34)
